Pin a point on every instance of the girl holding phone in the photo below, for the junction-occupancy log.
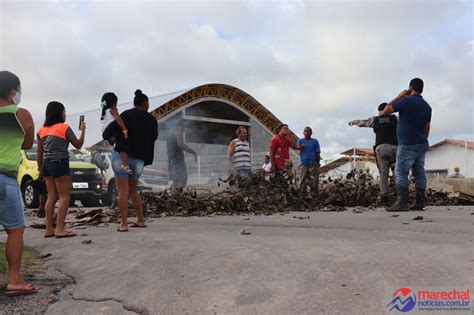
(53, 162)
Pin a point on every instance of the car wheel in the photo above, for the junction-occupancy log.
(112, 192)
(106, 200)
(30, 194)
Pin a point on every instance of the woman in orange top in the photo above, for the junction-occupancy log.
(53, 162)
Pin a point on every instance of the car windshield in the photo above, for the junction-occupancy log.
(72, 157)
(31, 155)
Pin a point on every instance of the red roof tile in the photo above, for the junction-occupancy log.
(341, 161)
(359, 151)
(461, 143)
(334, 164)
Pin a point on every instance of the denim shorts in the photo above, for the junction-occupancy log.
(135, 165)
(11, 209)
(55, 168)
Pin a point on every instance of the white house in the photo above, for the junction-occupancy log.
(440, 161)
(358, 158)
(443, 156)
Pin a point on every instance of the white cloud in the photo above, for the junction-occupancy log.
(311, 63)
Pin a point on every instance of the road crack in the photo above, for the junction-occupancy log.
(125, 306)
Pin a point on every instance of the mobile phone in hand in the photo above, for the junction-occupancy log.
(81, 120)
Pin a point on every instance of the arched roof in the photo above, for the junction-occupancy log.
(243, 100)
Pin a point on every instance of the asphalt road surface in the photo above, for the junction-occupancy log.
(331, 263)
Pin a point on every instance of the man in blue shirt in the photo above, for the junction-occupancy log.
(412, 132)
(310, 155)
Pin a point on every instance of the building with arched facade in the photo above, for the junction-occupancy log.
(212, 113)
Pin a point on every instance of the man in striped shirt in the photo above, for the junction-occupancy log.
(238, 154)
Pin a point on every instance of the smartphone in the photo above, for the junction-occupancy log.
(81, 120)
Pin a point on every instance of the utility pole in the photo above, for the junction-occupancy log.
(465, 157)
(354, 158)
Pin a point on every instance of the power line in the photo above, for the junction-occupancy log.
(126, 103)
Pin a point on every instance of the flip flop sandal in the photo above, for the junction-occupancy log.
(135, 225)
(68, 234)
(49, 235)
(28, 289)
(120, 229)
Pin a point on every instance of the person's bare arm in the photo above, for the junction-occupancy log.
(389, 108)
(300, 146)
(183, 145)
(318, 157)
(427, 129)
(77, 143)
(120, 122)
(363, 123)
(26, 121)
(230, 152)
(293, 144)
(39, 154)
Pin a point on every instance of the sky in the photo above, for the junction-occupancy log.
(312, 63)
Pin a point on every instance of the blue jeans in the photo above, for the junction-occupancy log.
(411, 157)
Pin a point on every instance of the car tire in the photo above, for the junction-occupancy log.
(106, 200)
(30, 194)
(112, 193)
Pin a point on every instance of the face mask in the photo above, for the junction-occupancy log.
(17, 98)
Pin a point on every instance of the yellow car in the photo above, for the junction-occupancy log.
(86, 180)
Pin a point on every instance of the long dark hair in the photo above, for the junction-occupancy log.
(140, 98)
(109, 100)
(54, 113)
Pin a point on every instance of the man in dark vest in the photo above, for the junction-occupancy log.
(385, 129)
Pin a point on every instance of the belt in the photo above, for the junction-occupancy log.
(55, 160)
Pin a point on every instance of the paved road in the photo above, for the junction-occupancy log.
(332, 263)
